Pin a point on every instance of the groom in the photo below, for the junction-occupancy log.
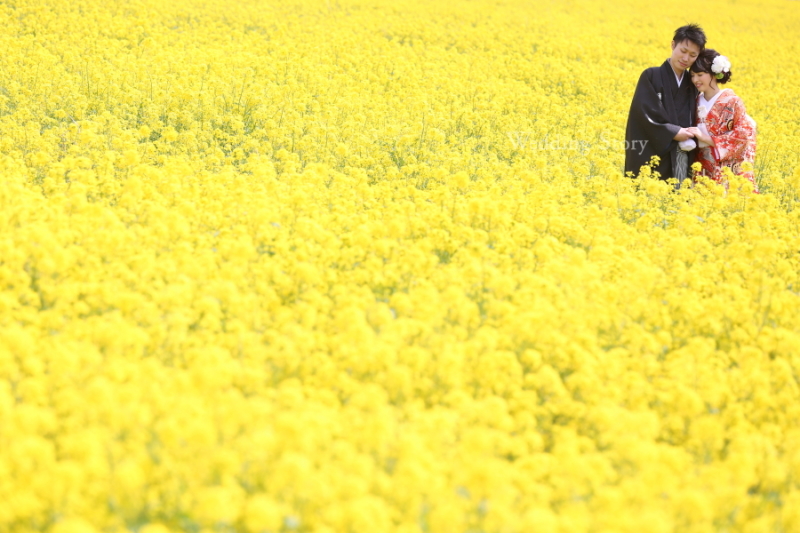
(662, 109)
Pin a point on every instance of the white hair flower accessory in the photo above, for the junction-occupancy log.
(720, 66)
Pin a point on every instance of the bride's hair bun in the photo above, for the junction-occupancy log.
(703, 64)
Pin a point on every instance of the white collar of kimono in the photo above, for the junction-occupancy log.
(679, 80)
(710, 103)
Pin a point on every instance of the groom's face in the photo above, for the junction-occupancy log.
(684, 53)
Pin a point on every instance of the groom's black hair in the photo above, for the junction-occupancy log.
(691, 32)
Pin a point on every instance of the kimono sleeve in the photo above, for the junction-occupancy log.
(737, 131)
(649, 117)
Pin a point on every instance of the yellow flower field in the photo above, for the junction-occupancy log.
(369, 266)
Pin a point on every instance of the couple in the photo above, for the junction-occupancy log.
(683, 118)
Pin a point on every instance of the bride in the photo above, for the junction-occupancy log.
(725, 133)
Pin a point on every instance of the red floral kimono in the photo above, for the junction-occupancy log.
(734, 134)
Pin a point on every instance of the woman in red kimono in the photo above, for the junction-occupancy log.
(725, 133)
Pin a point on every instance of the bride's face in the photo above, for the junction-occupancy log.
(702, 80)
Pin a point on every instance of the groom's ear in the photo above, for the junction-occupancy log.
(673, 45)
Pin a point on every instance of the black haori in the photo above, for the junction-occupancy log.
(659, 109)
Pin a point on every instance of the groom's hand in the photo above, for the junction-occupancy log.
(683, 134)
(700, 136)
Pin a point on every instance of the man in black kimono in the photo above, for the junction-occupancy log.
(663, 107)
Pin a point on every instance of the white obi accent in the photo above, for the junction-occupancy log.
(702, 112)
